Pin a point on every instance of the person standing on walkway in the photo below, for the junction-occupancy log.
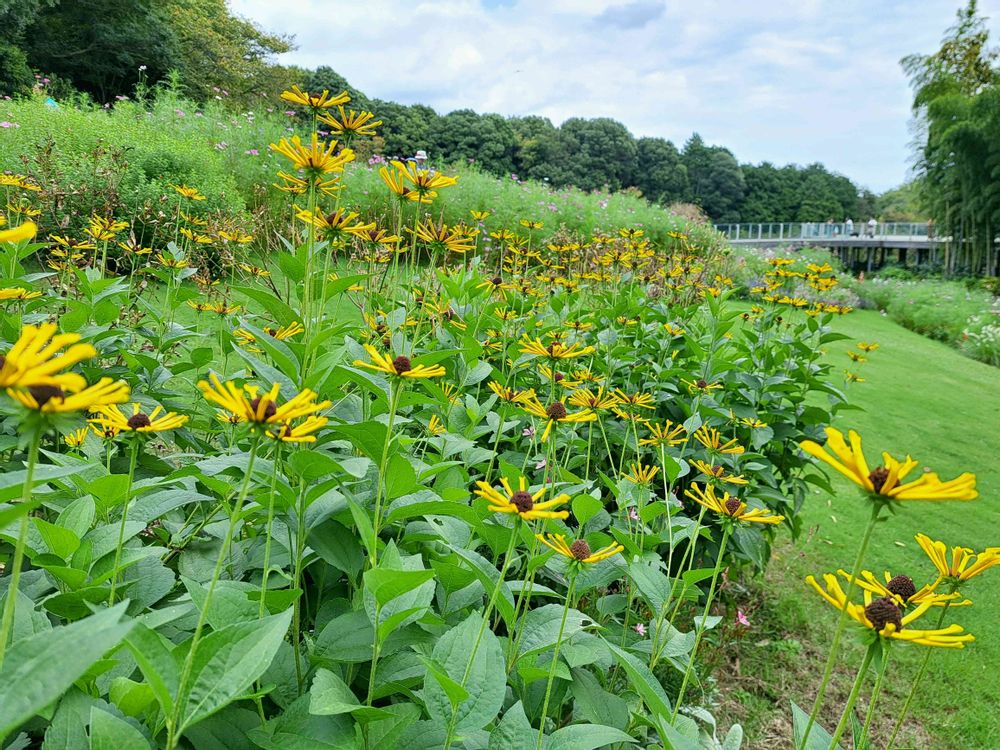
(849, 226)
(872, 226)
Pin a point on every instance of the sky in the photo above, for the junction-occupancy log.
(785, 81)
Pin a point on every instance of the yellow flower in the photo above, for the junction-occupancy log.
(18, 293)
(856, 357)
(76, 438)
(18, 181)
(668, 434)
(440, 237)
(731, 506)
(246, 405)
(335, 225)
(400, 366)
(718, 472)
(886, 480)
(901, 589)
(588, 399)
(701, 386)
(962, 564)
(255, 271)
(673, 330)
(752, 423)
(351, 123)
(521, 502)
(556, 412)
(530, 224)
(423, 180)
(396, 182)
(866, 347)
(510, 395)
(578, 551)
(853, 377)
(434, 426)
(302, 433)
(35, 359)
(188, 192)
(480, 215)
(25, 231)
(638, 400)
(641, 474)
(51, 399)
(712, 439)
(555, 350)
(285, 332)
(315, 101)
(171, 262)
(886, 619)
(112, 416)
(316, 159)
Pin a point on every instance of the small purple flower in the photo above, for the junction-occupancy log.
(640, 629)
(742, 618)
(6, 124)
(252, 152)
(540, 465)
(528, 431)
(221, 146)
(633, 514)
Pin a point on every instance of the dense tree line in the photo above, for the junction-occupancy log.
(957, 105)
(104, 48)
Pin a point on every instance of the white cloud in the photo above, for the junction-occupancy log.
(783, 81)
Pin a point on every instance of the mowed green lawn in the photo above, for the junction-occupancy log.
(923, 398)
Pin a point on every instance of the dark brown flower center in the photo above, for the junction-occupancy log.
(732, 506)
(882, 612)
(522, 501)
(401, 364)
(701, 383)
(878, 477)
(580, 549)
(269, 409)
(556, 411)
(138, 420)
(903, 587)
(497, 281)
(44, 393)
(558, 376)
(3, 361)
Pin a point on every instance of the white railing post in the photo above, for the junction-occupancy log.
(781, 231)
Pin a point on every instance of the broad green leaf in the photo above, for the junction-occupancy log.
(819, 738)
(108, 732)
(227, 662)
(153, 654)
(385, 585)
(651, 582)
(513, 731)
(734, 740)
(330, 696)
(640, 678)
(31, 678)
(487, 681)
(585, 737)
(384, 734)
(540, 628)
(454, 690)
(346, 639)
(596, 704)
(131, 697)
(586, 507)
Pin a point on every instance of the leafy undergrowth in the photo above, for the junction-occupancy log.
(951, 404)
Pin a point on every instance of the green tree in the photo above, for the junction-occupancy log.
(486, 140)
(601, 152)
(100, 45)
(717, 183)
(660, 174)
(325, 77)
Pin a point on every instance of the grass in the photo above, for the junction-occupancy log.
(924, 398)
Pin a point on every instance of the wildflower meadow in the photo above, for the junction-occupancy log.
(398, 468)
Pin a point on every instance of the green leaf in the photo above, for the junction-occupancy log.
(585, 737)
(644, 682)
(156, 662)
(514, 731)
(586, 507)
(330, 696)
(487, 681)
(346, 639)
(62, 542)
(595, 704)
(651, 582)
(283, 314)
(540, 628)
(819, 738)
(227, 662)
(385, 585)
(38, 669)
(734, 740)
(12, 484)
(131, 697)
(108, 732)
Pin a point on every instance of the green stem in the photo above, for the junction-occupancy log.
(7, 623)
(876, 691)
(853, 698)
(300, 546)
(486, 619)
(267, 532)
(916, 680)
(700, 630)
(555, 661)
(173, 737)
(831, 659)
(133, 459)
(381, 489)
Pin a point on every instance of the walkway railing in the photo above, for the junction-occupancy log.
(814, 230)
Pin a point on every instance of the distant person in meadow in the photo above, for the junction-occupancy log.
(930, 229)
(421, 159)
(872, 226)
(849, 226)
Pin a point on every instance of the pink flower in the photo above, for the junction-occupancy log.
(6, 124)
(742, 618)
(640, 629)
(528, 431)
(252, 152)
(633, 514)
(540, 464)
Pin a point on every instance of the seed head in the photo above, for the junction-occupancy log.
(882, 612)
(733, 506)
(903, 587)
(580, 549)
(269, 409)
(138, 420)
(878, 477)
(43, 393)
(556, 411)
(401, 364)
(522, 501)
